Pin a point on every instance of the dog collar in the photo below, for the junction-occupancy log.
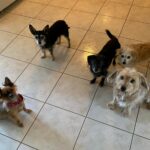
(13, 104)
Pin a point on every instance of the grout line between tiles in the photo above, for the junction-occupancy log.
(109, 125)
(85, 119)
(44, 102)
(39, 112)
(57, 82)
(97, 87)
(142, 137)
(134, 128)
(28, 146)
(126, 18)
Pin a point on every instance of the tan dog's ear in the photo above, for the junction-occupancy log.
(112, 76)
(144, 81)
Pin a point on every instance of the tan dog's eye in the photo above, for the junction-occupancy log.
(129, 57)
(132, 81)
(121, 77)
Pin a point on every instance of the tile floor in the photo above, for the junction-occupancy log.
(68, 112)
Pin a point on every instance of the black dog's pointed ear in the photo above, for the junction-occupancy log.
(45, 29)
(32, 29)
(8, 82)
(90, 58)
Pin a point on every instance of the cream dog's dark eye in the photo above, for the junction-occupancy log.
(121, 77)
(128, 57)
(132, 81)
(122, 56)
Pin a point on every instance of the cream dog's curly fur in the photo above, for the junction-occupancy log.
(133, 54)
(129, 91)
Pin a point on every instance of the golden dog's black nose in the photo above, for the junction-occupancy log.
(123, 88)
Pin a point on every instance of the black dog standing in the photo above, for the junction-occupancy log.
(100, 63)
(47, 37)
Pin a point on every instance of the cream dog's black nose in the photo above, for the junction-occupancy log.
(124, 62)
(123, 88)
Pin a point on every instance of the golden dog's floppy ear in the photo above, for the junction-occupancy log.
(112, 76)
(144, 81)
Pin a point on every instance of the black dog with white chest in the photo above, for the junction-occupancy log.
(100, 63)
(47, 37)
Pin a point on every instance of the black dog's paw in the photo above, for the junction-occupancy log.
(93, 81)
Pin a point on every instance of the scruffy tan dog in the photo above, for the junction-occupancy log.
(11, 103)
(130, 89)
(133, 54)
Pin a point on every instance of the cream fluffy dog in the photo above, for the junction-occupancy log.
(129, 91)
(133, 54)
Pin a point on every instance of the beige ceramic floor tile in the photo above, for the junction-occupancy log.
(29, 9)
(76, 35)
(130, 31)
(7, 143)
(93, 42)
(79, 66)
(129, 2)
(39, 1)
(63, 3)
(98, 136)
(5, 39)
(143, 123)
(145, 3)
(62, 58)
(80, 19)
(39, 82)
(12, 130)
(114, 118)
(139, 143)
(103, 22)
(10, 68)
(89, 6)
(25, 147)
(115, 10)
(55, 128)
(73, 94)
(52, 14)
(13, 23)
(140, 14)
(38, 25)
(22, 48)
(125, 41)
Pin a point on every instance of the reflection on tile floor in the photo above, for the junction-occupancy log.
(68, 112)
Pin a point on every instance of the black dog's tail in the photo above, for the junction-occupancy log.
(111, 36)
